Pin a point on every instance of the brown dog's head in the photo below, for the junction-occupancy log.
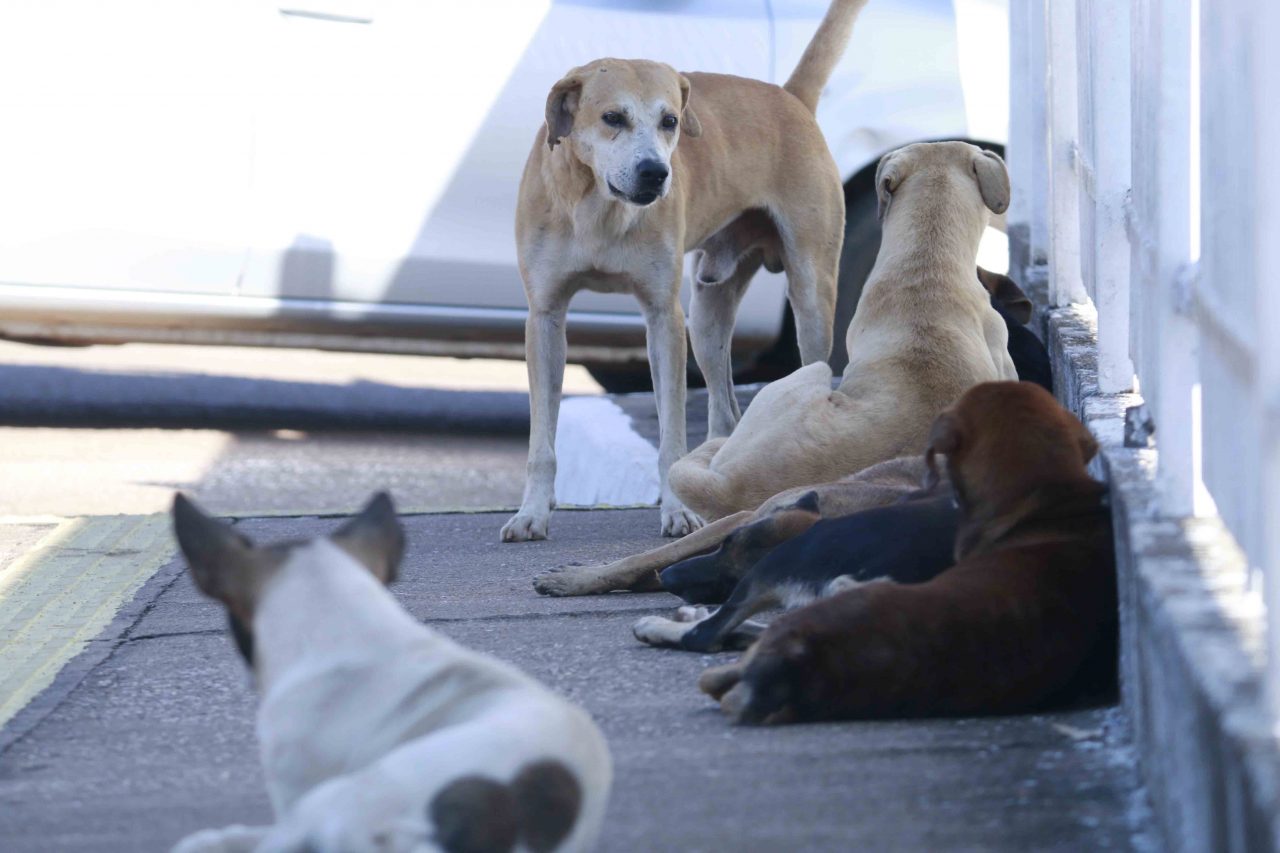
(623, 118)
(227, 566)
(952, 174)
(1002, 440)
(1006, 291)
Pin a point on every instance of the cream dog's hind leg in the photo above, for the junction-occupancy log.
(712, 313)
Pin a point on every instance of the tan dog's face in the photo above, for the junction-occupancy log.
(1006, 437)
(623, 119)
(227, 566)
(956, 171)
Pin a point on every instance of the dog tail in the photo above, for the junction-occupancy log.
(823, 52)
(706, 492)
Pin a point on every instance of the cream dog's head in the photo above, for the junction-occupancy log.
(955, 174)
(623, 118)
(227, 566)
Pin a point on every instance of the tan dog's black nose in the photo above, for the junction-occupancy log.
(652, 173)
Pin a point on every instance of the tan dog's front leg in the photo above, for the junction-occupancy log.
(668, 355)
(545, 352)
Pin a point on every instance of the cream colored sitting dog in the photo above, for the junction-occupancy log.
(923, 333)
(376, 733)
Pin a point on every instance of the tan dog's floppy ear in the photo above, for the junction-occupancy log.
(993, 180)
(944, 437)
(689, 124)
(221, 559)
(888, 176)
(1005, 291)
(374, 538)
(562, 106)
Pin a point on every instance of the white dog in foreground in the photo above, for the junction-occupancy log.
(376, 733)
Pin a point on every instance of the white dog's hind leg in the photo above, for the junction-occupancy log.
(545, 352)
(668, 354)
(230, 839)
(713, 311)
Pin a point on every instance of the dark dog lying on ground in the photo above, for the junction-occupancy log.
(909, 542)
(1028, 610)
(876, 486)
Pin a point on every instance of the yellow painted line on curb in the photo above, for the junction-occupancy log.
(62, 593)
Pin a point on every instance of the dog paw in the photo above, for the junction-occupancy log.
(689, 613)
(679, 522)
(525, 526)
(569, 580)
(657, 631)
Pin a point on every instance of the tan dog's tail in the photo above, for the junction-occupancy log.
(823, 52)
(704, 491)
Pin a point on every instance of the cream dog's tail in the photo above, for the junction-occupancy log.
(823, 52)
(706, 492)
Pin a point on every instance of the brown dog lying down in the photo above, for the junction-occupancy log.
(1028, 611)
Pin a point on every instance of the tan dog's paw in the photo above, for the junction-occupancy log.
(526, 526)
(716, 681)
(679, 522)
(657, 631)
(571, 580)
(691, 613)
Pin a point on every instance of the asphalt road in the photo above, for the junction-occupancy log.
(149, 734)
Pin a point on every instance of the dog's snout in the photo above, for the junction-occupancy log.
(652, 172)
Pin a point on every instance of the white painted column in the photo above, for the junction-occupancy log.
(1065, 286)
(1107, 25)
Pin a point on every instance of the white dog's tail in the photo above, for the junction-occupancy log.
(823, 52)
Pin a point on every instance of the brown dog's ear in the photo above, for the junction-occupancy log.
(944, 438)
(888, 176)
(1005, 291)
(374, 538)
(562, 106)
(993, 180)
(222, 560)
(689, 124)
(1088, 444)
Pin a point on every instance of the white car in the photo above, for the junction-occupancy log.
(343, 173)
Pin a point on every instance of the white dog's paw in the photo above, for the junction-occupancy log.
(679, 522)
(691, 613)
(230, 839)
(525, 526)
(658, 631)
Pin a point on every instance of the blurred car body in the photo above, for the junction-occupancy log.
(343, 173)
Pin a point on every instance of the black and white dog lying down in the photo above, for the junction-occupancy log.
(908, 542)
(377, 733)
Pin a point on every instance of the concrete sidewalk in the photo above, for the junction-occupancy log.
(148, 733)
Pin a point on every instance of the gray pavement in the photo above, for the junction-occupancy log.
(149, 733)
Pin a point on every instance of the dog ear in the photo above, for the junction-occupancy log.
(562, 106)
(1005, 291)
(689, 124)
(1088, 444)
(944, 437)
(888, 176)
(374, 538)
(220, 557)
(993, 180)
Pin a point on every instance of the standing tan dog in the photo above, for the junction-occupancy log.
(924, 332)
(609, 202)
(1027, 614)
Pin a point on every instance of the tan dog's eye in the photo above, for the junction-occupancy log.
(669, 122)
(614, 119)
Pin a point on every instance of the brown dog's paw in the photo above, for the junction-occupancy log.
(716, 681)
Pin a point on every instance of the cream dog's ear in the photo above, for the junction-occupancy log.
(993, 180)
(888, 176)
(689, 124)
(374, 538)
(562, 106)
